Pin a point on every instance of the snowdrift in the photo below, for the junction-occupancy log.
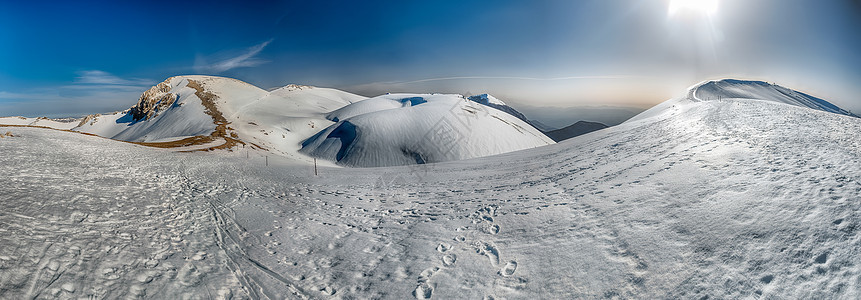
(401, 129)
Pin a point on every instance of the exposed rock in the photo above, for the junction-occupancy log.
(153, 101)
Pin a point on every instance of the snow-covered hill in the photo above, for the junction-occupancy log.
(737, 91)
(759, 90)
(697, 199)
(400, 129)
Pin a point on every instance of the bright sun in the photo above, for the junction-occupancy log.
(708, 7)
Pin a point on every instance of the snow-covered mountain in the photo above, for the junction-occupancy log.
(400, 129)
(207, 112)
(696, 199)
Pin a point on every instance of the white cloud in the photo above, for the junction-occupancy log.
(102, 77)
(219, 63)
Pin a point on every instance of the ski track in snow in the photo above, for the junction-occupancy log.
(720, 199)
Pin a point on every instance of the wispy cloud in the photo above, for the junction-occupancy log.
(98, 77)
(225, 62)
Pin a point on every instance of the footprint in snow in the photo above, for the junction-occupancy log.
(423, 291)
(425, 275)
(508, 269)
(489, 250)
(449, 259)
(493, 229)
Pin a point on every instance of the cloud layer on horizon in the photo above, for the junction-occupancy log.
(92, 91)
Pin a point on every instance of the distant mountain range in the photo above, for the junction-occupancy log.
(576, 129)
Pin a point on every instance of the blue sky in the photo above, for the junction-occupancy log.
(73, 58)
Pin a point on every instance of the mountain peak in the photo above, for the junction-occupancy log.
(292, 87)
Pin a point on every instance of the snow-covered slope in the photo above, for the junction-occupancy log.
(492, 101)
(400, 129)
(730, 199)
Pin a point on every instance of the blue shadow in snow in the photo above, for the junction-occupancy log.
(414, 100)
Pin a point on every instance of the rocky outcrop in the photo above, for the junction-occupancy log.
(156, 99)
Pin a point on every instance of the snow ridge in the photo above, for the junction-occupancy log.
(491, 101)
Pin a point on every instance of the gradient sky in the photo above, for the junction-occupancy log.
(74, 58)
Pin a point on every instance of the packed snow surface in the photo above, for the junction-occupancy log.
(400, 129)
(698, 199)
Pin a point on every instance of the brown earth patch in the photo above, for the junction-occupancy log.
(231, 139)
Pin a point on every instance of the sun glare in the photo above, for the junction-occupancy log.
(708, 7)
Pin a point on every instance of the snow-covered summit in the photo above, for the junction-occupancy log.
(741, 90)
(760, 90)
(400, 129)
